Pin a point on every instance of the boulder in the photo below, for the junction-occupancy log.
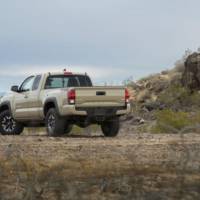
(153, 105)
(191, 74)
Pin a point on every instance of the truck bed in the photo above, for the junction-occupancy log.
(100, 96)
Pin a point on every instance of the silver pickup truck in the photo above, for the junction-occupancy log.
(60, 100)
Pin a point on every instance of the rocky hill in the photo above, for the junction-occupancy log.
(172, 94)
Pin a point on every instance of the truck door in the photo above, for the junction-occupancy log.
(20, 101)
(34, 104)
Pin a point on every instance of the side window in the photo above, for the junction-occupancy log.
(56, 82)
(27, 84)
(36, 82)
(53, 82)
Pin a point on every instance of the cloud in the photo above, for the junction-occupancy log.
(111, 40)
(95, 71)
(14, 75)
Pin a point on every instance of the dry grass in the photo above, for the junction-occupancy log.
(98, 168)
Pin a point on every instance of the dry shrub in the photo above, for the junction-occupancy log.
(29, 179)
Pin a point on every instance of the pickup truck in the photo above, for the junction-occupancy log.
(60, 100)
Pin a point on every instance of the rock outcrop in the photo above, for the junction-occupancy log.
(146, 91)
(191, 75)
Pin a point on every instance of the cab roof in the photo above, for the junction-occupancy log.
(66, 73)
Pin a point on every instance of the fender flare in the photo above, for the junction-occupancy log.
(51, 100)
(6, 104)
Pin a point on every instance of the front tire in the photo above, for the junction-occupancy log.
(55, 125)
(111, 128)
(8, 126)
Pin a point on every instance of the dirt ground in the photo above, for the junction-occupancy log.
(130, 166)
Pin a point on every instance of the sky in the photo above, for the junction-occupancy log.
(111, 40)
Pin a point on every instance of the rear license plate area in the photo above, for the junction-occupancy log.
(99, 111)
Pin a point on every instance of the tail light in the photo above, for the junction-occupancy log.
(71, 96)
(66, 72)
(127, 96)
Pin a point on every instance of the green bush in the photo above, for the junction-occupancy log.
(173, 96)
(194, 99)
(176, 97)
(169, 121)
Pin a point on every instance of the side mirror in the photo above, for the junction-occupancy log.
(15, 88)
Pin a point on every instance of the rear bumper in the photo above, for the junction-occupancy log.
(72, 110)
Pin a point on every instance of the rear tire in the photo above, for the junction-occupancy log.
(55, 125)
(68, 128)
(8, 126)
(111, 128)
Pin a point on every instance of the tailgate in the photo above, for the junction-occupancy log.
(100, 96)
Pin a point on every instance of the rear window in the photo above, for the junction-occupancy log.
(63, 81)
